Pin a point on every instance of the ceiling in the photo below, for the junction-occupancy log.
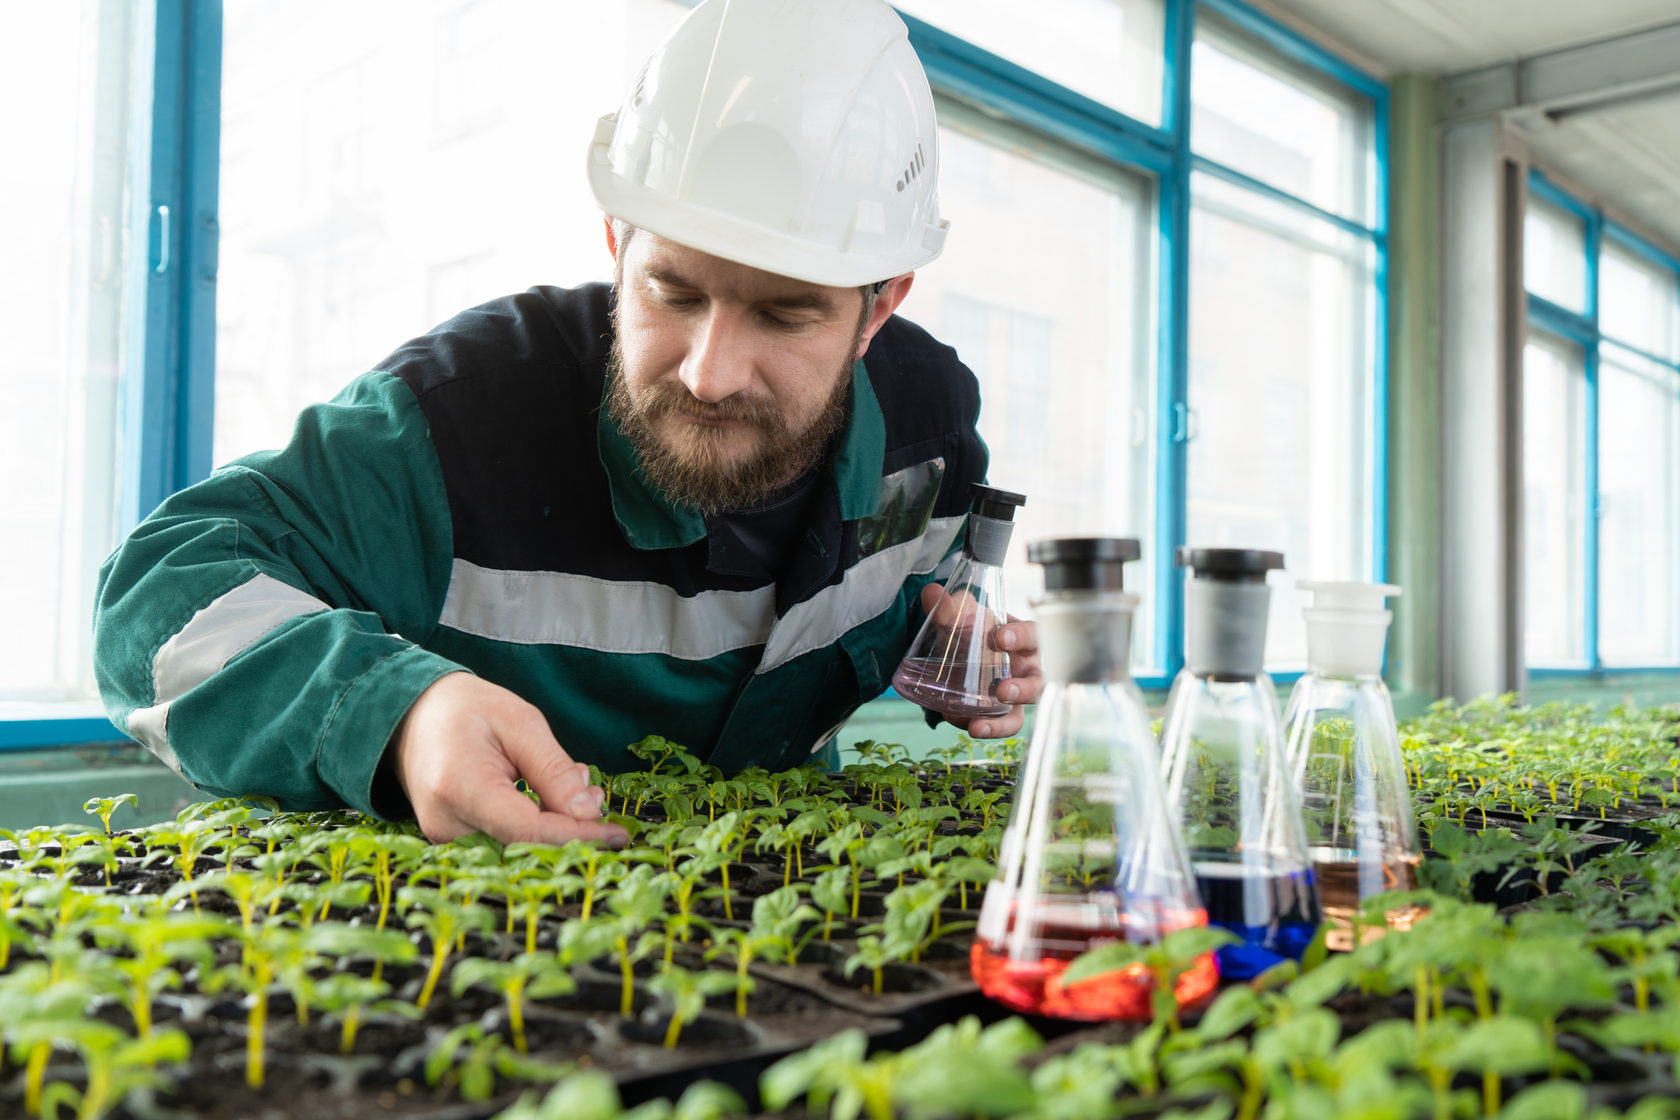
(1451, 36)
(1625, 153)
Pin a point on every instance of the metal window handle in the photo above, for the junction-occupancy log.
(1184, 426)
(162, 265)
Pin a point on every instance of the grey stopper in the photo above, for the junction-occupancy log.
(988, 539)
(1225, 627)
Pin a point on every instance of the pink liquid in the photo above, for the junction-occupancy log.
(1035, 986)
(917, 680)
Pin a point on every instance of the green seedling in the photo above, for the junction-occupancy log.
(1165, 960)
(444, 920)
(527, 976)
(103, 807)
(686, 992)
(474, 1072)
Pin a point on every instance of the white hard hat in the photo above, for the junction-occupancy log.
(794, 136)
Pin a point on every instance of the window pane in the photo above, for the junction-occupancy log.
(1639, 303)
(1554, 504)
(1280, 406)
(415, 162)
(1555, 255)
(1639, 522)
(1289, 127)
(1109, 50)
(1059, 332)
(63, 123)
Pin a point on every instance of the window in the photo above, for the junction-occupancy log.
(1281, 413)
(1554, 501)
(1107, 50)
(1053, 315)
(1601, 442)
(351, 223)
(1639, 510)
(64, 76)
(1554, 265)
(1282, 124)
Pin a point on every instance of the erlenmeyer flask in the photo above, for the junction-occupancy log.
(952, 667)
(1344, 753)
(1089, 855)
(1226, 774)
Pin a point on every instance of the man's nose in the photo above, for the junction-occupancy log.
(719, 361)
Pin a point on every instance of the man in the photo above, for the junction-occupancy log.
(567, 519)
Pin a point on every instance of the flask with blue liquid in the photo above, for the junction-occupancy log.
(1228, 782)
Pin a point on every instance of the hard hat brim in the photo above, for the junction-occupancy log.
(730, 238)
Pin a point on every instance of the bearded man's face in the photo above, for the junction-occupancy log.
(728, 381)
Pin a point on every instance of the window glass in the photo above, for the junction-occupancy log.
(1639, 503)
(64, 127)
(1279, 423)
(1555, 255)
(1554, 503)
(1055, 320)
(1287, 126)
(421, 159)
(1639, 303)
(1109, 50)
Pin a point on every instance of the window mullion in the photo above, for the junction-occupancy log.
(1594, 229)
(1173, 365)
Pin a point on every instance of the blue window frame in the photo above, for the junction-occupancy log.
(171, 341)
(1582, 328)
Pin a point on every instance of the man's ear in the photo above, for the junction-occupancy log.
(612, 241)
(885, 304)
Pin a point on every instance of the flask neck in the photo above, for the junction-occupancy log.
(988, 539)
(1085, 637)
(1225, 628)
(1346, 643)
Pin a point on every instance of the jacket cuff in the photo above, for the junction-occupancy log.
(352, 745)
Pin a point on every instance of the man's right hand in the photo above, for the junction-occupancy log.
(459, 751)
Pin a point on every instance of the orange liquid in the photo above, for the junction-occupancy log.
(1035, 987)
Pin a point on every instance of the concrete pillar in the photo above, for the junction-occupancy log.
(1483, 186)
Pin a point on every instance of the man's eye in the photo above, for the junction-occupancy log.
(781, 324)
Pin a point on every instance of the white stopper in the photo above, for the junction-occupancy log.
(1347, 627)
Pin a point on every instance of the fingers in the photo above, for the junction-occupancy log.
(501, 811)
(951, 610)
(563, 785)
(461, 748)
(998, 727)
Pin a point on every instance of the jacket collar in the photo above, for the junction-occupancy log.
(649, 521)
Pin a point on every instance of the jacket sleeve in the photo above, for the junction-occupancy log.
(261, 631)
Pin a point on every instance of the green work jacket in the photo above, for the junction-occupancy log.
(470, 505)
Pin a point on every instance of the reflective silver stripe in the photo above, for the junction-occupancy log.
(635, 616)
(220, 631)
(608, 616)
(868, 588)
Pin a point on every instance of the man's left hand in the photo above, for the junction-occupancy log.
(1019, 639)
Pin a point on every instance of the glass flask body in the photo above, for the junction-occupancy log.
(1344, 755)
(1232, 798)
(1089, 855)
(951, 666)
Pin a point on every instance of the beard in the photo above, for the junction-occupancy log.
(694, 468)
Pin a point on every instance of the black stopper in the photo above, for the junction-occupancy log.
(1084, 563)
(996, 504)
(1229, 565)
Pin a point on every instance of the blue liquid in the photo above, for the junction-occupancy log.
(1275, 915)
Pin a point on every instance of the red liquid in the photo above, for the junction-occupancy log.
(1035, 986)
(918, 680)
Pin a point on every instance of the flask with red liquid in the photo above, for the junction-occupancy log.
(1090, 855)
